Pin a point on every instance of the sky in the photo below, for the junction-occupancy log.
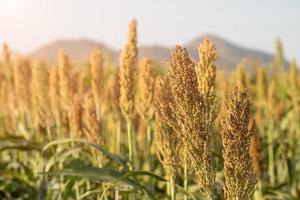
(27, 24)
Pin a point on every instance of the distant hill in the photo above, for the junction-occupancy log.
(155, 52)
(80, 49)
(77, 49)
(229, 54)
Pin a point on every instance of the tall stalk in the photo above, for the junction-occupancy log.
(271, 157)
(148, 148)
(172, 189)
(118, 145)
(130, 146)
(185, 176)
(127, 86)
(118, 150)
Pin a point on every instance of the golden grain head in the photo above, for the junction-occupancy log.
(146, 84)
(6, 54)
(132, 37)
(91, 125)
(240, 178)
(163, 98)
(261, 83)
(76, 116)
(293, 76)
(22, 79)
(241, 79)
(54, 92)
(40, 98)
(127, 70)
(279, 57)
(96, 63)
(167, 141)
(206, 76)
(256, 149)
(191, 124)
(64, 73)
(183, 81)
(206, 69)
(272, 97)
(115, 93)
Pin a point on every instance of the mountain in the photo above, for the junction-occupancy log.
(77, 49)
(229, 54)
(155, 52)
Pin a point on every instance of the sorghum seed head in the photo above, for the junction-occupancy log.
(127, 72)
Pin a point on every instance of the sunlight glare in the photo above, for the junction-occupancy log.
(11, 7)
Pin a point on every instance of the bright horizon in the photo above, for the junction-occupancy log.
(28, 24)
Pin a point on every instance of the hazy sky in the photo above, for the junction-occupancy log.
(27, 24)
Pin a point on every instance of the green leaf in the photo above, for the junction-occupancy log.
(98, 147)
(181, 189)
(68, 187)
(12, 138)
(137, 173)
(21, 147)
(88, 193)
(109, 175)
(60, 157)
(18, 143)
(144, 173)
(110, 155)
(96, 174)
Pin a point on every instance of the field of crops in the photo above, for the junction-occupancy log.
(141, 130)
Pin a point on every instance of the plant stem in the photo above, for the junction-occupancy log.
(116, 194)
(118, 148)
(185, 174)
(172, 188)
(149, 138)
(130, 149)
(271, 157)
(168, 188)
(77, 190)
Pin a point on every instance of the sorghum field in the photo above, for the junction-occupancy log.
(140, 130)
